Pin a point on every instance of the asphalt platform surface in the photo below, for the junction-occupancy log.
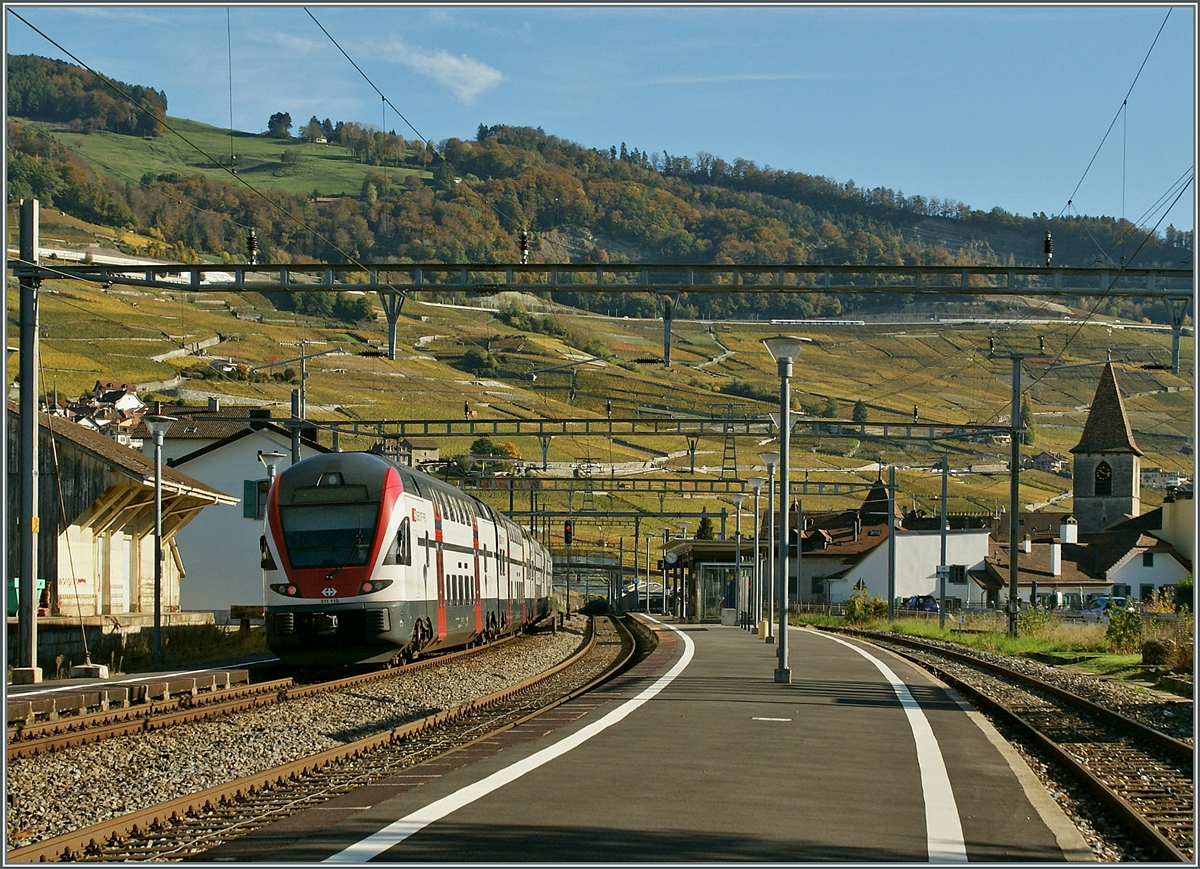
(698, 755)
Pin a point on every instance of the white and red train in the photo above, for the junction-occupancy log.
(368, 561)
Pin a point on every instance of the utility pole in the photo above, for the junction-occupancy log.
(891, 523)
(28, 671)
(1014, 493)
(942, 568)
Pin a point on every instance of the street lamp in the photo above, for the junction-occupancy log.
(739, 598)
(271, 461)
(756, 483)
(784, 349)
(770, 458)
(158, 427)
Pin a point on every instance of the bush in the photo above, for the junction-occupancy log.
(478, 362)
(1184, 594)
(862, 606)
(1033, 622)
(1158, 652)
(1124, 633)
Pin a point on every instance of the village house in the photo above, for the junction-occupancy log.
(1050, 462)
(848, 550)
(96, 513)
(1106, 545)
(1163, 478)
(416, 451)
(221, 447)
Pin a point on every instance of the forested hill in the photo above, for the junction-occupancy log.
(464, 200)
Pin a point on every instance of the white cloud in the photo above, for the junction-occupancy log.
(464, 76)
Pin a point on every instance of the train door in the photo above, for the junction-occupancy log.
(418, 589)
(522, 578)
(441, 569)
(477, 583)
(508, 578)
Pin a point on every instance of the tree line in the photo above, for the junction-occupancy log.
(52, 90)
(476, 195)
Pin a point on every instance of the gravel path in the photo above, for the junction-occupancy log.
(53, 794)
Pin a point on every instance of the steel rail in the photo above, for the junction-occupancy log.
(51, 735)
(91, 841)
(1180, 751)
(1134, 821)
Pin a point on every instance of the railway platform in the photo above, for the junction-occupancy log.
(697, 755)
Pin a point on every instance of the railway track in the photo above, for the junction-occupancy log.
(185, 827)
(1142, 776)
(29, 740)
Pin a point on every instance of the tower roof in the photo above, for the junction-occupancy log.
(875, 506)
(1107, 427)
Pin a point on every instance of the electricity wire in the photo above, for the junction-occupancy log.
(229, 47)
(162, 121)
(1117, 115)
(388, 102)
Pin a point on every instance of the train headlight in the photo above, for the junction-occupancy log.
(285, 588)
(374, 585)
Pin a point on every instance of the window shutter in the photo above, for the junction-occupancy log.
(249, 498)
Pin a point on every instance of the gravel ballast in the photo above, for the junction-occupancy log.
(53, 794)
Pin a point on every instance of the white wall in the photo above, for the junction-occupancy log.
(1131, 572)
(219, 547)
(1179, 526)
(918, 553)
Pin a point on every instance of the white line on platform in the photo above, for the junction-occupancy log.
(943, 829)
(397, 831)
(756, 718)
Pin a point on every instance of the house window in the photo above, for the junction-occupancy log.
(254, 498)
(818, 585)
(1147, 559)
(1146, 591)
(1103, 480)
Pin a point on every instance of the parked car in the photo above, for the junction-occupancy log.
(925, 603)
(1097, 610)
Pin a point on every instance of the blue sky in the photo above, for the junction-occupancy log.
(992, 106)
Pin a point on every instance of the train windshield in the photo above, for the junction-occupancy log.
(329, 530)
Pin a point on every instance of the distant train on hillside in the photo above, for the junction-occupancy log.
(818, 323)
(368, 561)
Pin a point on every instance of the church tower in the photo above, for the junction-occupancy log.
(1108, 465)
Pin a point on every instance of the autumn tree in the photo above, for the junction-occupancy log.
(313, 130)
(279, 126)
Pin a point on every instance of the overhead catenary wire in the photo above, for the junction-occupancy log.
(1120, 110)
(229, 47)
(162, 121)
(388, 102)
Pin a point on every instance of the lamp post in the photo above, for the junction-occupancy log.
(770, 458)
(158, 426)
(739, 595)
(271, 461)
(784, 349)
(756, 483)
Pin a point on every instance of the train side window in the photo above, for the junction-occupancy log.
(400, 552)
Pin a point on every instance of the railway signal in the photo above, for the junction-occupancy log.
(568, 532)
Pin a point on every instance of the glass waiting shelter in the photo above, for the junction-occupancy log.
(707, 574)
